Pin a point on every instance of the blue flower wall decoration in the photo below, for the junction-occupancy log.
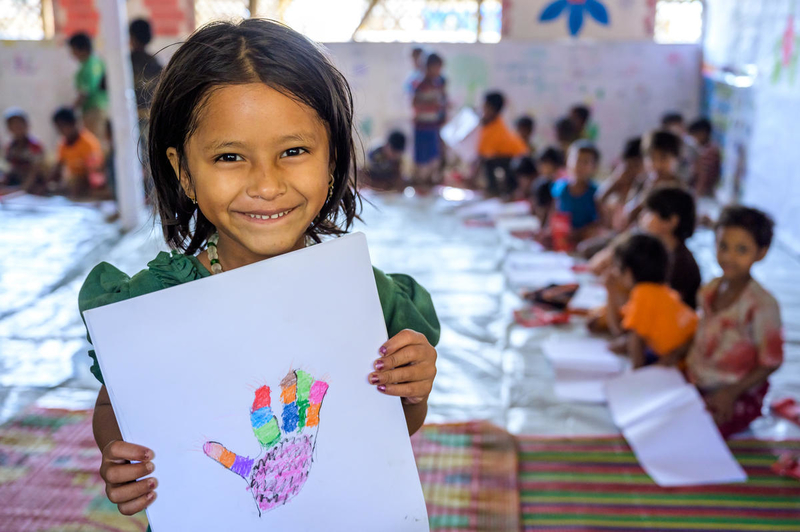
(576, 8)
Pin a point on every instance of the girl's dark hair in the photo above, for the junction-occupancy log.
(231, 53)
(668, 201)
(756, 222)
(645, 256)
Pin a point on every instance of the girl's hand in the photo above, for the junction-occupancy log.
(720, 403)
(123, 486)
(406, 368)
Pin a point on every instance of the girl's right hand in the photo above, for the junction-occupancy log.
(123, 485)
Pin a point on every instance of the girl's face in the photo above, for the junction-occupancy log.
(260, 170)
(737, 251)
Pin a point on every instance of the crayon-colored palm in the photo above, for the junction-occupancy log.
(278, 476)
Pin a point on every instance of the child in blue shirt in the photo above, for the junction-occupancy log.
(575, 195)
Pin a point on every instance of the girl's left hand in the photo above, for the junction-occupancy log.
(406, 368)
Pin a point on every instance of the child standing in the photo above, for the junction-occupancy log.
(24, 155)
(257, 162)
(581, 115)
(80, 157)
(90, 83)
(658, 323)
(497, 145)
(708, 166)
(430, 112)
(575, 196)
(739, 342)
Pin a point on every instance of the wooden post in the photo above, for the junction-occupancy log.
(124, 121)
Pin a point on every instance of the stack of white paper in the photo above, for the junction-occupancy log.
(669, 429)
(582, 366)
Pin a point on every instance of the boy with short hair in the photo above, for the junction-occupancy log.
(146, 68)
(525, 126)
(708, 167)
(575, 196)
(90, 81)
(662, 151)
(24, 155)
(674, 123)
(551, 167)
(581, 115)
(498, 145)
(80, 157)
(658, 323)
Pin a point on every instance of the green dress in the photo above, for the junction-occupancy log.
(406, 304)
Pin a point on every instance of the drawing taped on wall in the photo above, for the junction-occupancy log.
(280, 474)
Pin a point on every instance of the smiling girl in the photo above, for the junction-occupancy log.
(252, 156)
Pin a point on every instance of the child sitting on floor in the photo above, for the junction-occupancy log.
(662, 155)
(624, 182)
(669, 214)
(383, 166)
(497, 146)
(551, 169)
(525, 173)
(575, 196)
(80, 157)
(708, 165)
(739, 342)
(24, 155)
(657, 322)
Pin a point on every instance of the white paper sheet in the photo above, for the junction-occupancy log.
(507, 224)
(182, 366)
(666, 424)
(582, 366)
(634, 395)
(583, 354)
(461, 134)
(683, 449)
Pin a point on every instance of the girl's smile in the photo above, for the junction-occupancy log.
(258, 164)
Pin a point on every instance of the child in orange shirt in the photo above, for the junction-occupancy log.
(80, 157)
(658, 323)
(498, 145)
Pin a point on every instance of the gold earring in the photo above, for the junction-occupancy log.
(330, 187)
(194, 200)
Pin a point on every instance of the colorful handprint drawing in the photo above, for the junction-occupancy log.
(278, 476)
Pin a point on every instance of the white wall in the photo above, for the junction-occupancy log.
(628, 85)
(39, 77)
(742, 32)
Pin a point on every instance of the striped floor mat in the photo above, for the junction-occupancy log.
(597, 484)
(469, 476)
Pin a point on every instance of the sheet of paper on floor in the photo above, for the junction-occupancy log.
(666, 423)
(210, 345)
(589, 296)
(581, 367)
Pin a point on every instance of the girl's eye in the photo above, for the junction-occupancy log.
(229, 158)
(294, 152)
